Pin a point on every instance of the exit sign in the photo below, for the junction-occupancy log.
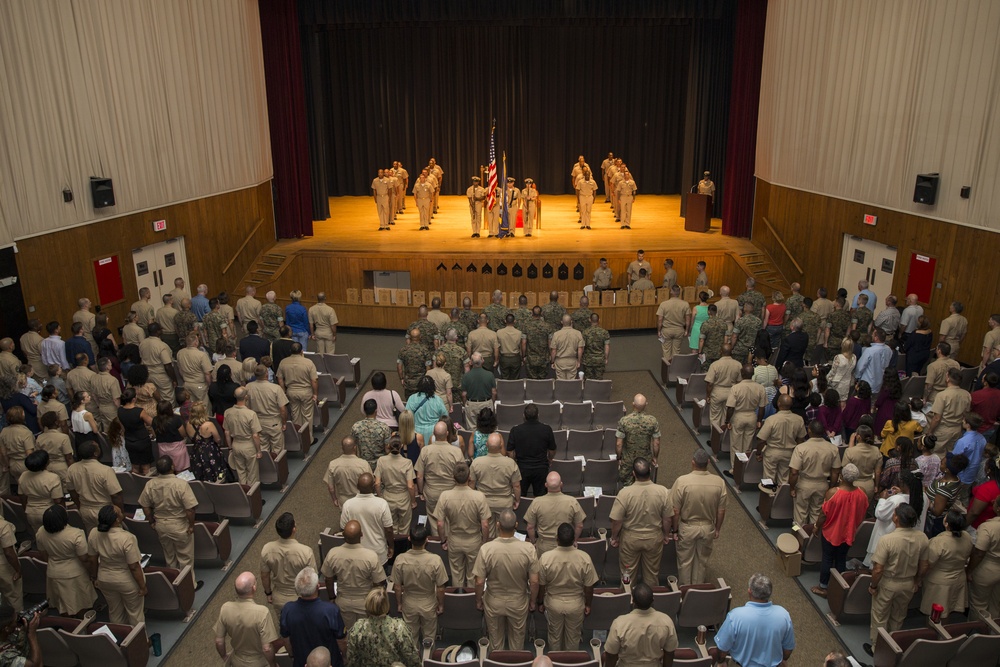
(871, 219)
(161, 225)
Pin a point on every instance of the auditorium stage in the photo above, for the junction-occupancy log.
(347, 255)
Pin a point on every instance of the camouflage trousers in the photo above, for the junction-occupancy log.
(538, 369)
(593, 371)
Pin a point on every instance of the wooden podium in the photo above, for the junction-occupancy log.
(699, 213)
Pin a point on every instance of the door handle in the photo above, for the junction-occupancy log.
(156, 282)
(161, 277)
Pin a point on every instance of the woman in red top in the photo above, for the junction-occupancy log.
(775, 325)
(981, 502)
(844, 509)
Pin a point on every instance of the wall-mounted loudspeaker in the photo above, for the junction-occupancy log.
(925, 191)
(103, 192)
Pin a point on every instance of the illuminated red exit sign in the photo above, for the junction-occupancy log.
(871, 219)
(161, 225)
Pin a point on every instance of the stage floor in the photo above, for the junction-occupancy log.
(656, 225)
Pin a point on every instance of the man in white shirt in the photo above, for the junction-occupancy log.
(374, 516)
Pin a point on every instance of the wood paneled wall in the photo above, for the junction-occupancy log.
(812, 226)
(56, 269)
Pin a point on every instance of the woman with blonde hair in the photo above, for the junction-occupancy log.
(380, 640)
(841, 373)
(412, 442)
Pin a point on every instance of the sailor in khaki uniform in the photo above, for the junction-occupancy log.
(119, 574)
(643, 636)
(745, 410)
(105, 390)
(566, 579)
(40, 488)
(298, 377)
(280, 562)
(436, 470)
(248, 625)
(169, 504)
(16, 442)
(530, 196)
(476, 195)
(92, 485)
(341, 476)
(641, 520)
(954, 328)
(394, 482)
(323, 320)
(567, 350)
(636, 265)
(248, 307)
(380, 191)
(144, 310)
(195, 369)
(947, 413)
(699, 502)
(423, 195)
(463, 523)
(896, 571)
(243, 437)
(269, 402)
(547, 512)
(813, 469)
(351, 570)
(778, 436)
(512, 347)
(507, 570)
(418, 579)
(984, 568)
(67, 581)
(673, 319)
(722, 375)
(158, 358)
(499, 478)
(11, 586)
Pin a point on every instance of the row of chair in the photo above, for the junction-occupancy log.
(566, 391)
(974, 644)
(578, 474)
(593, 444)
(340, 366)
(577, 416)
(68, 642)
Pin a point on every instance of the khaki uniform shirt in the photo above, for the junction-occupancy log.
(117, 549)
(727, 310)
(235, 367)
(463, 510)
(953, 328)
(155, 354)
(323, 319)
(170, 498)
(602, 278)
(509, 339)
(548, 511)
(374, 516)
(506, 564)
(436, 464)
(105, 389)
(88, 319)
(674, 312)
(241, 423)
(782, 430)
(698, 495)
(438, 319)
(641, 507)
(132, 334)
(342, 475)
(394, 473)
(564, 572)
(952, 404)
(58, 445)
(900, 552)
(80, 379)
(41, 489)
(165, 318)
(284, 559)
(145, 312)
(31, 345)
(746, 396)
(495, 475)
(443, 384)
(567, 343)
(248, 309)
(814, 459)
(641, 637)
(483, 341)
(669, 278)
(823, 308)
(356, 570)
(192, 364)
(297, 373)
(266, 399)
(53, 405)
(419, 573)
(937, 376)
(635, 266)
(17, 442)
(724, 372)
(249, 626)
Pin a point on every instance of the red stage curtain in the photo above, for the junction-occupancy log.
(286, 110)
(741, 147)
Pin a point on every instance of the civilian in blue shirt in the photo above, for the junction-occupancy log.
(758, 634)
(199, 303)
(972, 443)
(873, 362)
(77, 344)
(863, 289)
(297, 319)
(309, 622)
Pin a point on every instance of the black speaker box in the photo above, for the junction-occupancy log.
(925, 191)
(103, 192)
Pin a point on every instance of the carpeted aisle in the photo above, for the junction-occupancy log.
(740, 551)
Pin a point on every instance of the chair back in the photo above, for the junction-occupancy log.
(597, 390)
(577, 416)
(607, 414)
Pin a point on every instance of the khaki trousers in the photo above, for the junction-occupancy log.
(400, 510)
(462, 554)
(626, 207)
(586, 207)
(506, 621)
(382, 206)
(472, 410)
(566, 368)
(889, 605)
(744, 428)
(302, 408)
(431, 496)
(808, 500)
(271, 438)
(420, 616)
(946, 439)
(424, 208)
(351, 609)
(642, 555)
(326, 345)
(717, 406)
(177, 543)
(159, 378)
(199, 393)
(694, 547)
(776, 464)
(125, 605)
(673, 338)
(12, 591)
(984, 590)
(565, 620)
(243, 459)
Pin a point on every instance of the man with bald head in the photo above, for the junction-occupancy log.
(699, 502)
(430, 335)
(793, 304)
(412, 362)
(722, 375)
(248, 625)
(567, 350)
(323, 321)
(553, 311)
(778, 436)
(726, 308)
(436, 470)
(243, 439)
(532, 445)
(637, 435)
(566, 579)
(374, 516)
(550, 510)
(341, 477)
(641, 522)
(498, 477)
(507, 570)
(463, 526)
(319, 657)
(467, 315)
(271, 317)
(355, 570)
(248, 307)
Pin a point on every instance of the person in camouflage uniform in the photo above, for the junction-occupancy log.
(537, 335)
(811, 325)
(468, 316)
(793, 304)
(581, 316)
(456, 361)
(185, 321)
(429, 333)
(522, 315)
(412, 362)
(638, 434)
(456, 323)
(496, 312)
(712, 337)
(370, 434)
(597, 346)
(553, 311)
(745, 333)
(215, 325)
(861, 317)
(271, 318)
(838, 324)
(752, 296)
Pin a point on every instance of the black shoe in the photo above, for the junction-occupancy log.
(868, 649)
(528, 235)
(622, 227)
(628, 226)
(198, 586)
(588, 226)
(728, 474)
(315, 440)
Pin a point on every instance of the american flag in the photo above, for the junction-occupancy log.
(491, 177)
